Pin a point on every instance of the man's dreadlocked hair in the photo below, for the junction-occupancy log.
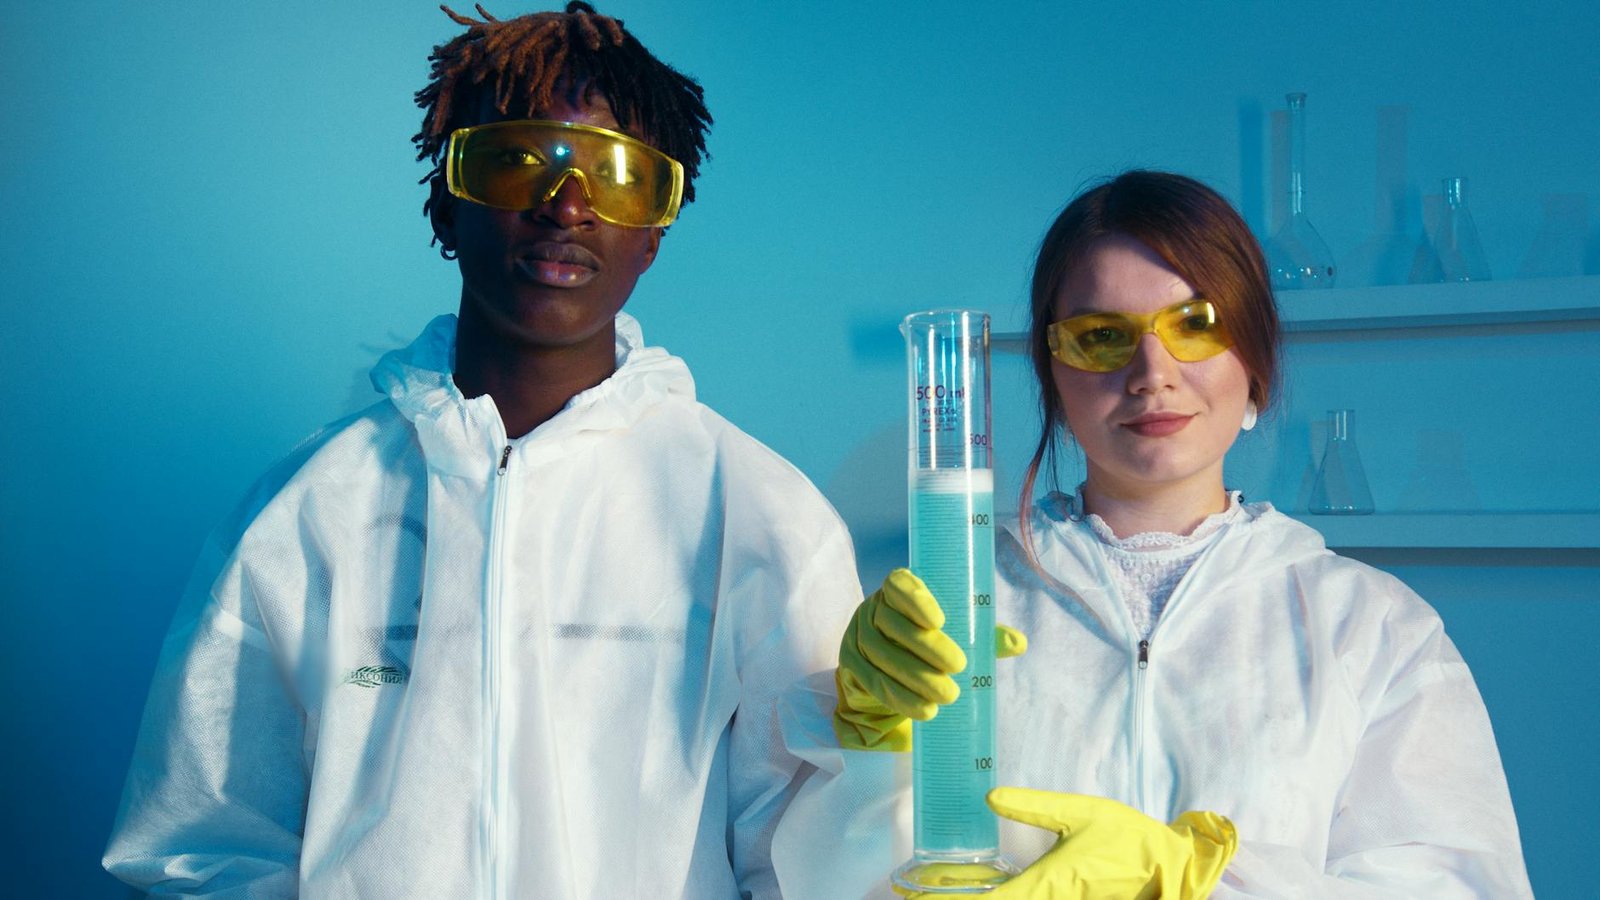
(523, 60)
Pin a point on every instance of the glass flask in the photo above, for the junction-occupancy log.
(1455, 239)
(1341, 485)
(1298, 256)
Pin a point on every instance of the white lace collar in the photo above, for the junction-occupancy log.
(1149, 541)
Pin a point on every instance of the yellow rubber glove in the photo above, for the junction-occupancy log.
(1109, 851)
(895, 665)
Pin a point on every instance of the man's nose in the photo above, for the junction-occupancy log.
(567, 206)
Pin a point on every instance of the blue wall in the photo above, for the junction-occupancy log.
(212, 228)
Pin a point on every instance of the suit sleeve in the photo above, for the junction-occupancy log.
(813, 599)
(215, 797)
(1424, 810)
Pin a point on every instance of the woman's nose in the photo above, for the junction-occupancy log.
(1152, 368)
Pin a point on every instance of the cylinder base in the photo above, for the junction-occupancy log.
(954, 873)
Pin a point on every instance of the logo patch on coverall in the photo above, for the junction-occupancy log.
(372, 676)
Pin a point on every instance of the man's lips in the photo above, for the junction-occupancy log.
(557, 264)
(1158, 424)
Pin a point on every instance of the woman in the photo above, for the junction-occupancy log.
(1300, 718)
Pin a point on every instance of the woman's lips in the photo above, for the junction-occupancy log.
(1158, 425)
(558, 264)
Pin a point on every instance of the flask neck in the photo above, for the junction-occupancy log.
(1339, 425)
(1297, 153)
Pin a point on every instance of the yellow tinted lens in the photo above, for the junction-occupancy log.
(1104, 342)
(633, 184)
(1098, 342)
(497, 167)
(519, 165)
(1191, 331)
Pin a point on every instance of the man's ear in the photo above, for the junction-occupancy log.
(442, 215)
(655, 245)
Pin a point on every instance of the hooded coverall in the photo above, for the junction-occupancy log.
(426, 661)
(1313, 700)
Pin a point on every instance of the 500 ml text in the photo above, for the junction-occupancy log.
(939, 392)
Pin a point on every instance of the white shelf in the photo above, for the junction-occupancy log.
(1463, 531)
(1403, 306)
(1441, 305)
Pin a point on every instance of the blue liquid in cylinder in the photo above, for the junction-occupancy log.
(952, 551)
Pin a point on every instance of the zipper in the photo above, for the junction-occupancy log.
(1142, 691)
(1140, 701)
(492, 814)
(1141, 661)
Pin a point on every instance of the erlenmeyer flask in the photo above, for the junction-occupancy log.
(1455, 241)
(1341, 485)
(1297, 254)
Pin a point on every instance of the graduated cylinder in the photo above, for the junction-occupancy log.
(951, 518)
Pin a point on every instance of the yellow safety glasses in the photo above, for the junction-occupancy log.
(1105, 342)
(521, 164)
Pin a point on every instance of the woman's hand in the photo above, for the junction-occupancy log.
(895, 665)
(1108, 851)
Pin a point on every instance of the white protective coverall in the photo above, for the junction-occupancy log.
(429, 662)
(1312, 699)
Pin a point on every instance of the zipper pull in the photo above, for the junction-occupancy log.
(504, 457)
(1144, 654)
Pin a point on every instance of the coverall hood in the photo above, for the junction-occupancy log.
(456, 432)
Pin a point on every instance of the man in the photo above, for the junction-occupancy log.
(516, 630)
